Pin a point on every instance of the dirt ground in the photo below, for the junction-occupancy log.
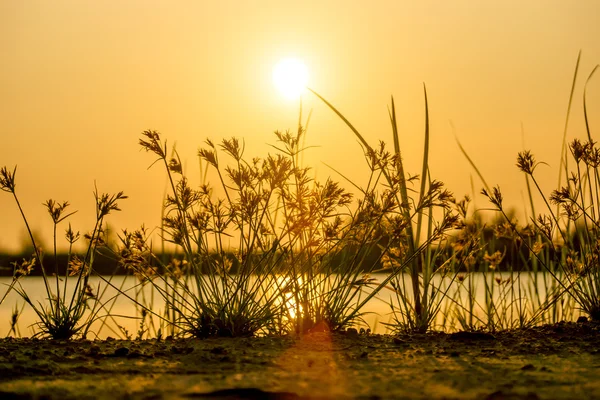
(559, 361)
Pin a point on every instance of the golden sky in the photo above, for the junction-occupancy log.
(79, 81)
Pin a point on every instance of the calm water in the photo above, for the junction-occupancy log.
(524, 291)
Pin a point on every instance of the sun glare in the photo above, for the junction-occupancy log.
(290, 76)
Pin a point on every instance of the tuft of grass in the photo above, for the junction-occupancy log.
(304, 254)
(416, 305)
(67, 311)
(570, 232)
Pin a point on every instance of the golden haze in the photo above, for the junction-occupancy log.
(80, 80)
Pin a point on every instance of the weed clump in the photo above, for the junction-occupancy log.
(71, 304)
(303, 256)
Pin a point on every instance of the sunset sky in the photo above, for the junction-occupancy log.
(79, 81)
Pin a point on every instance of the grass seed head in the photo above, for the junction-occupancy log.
(7, 180)
(175, 166)
(562, 195)
(495, 196)
(24, 267)
(577, 150)
(76, 267)
(209, 156)
(71, 236)
(573, 264)
(537, 247)
(546, 225)
(526, 162)
(152, 143)
(233, 148)
(462, 206)
(105, 203)
(56, 210)
(494, 260)
(89, 292)
(591, 155)
(177, 268)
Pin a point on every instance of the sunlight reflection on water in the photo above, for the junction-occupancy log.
(377, 311)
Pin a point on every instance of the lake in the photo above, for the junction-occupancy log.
(475, 297)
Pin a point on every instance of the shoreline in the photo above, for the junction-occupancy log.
(559, 361)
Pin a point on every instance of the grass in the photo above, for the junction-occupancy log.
(569, 232)
(405, 252)
(300, 259)
(266, 249)
(67, 311)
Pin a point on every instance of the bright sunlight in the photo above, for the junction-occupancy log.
(290, 76)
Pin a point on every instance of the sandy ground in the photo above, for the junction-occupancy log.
(559, 361)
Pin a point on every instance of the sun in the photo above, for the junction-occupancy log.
(290, 76)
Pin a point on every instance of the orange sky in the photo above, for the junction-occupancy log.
(79, 80)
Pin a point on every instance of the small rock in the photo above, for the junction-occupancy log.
(94, 350)
(500, 395)
(527, 367)
(582, 320)
(351, 332)
(218, 350)
(121, 352)
(14, 395)
(245, 393)
(559, 329)
(468, 336)
(186, 350)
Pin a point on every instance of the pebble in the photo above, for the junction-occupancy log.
(527, 367)
(121, 352)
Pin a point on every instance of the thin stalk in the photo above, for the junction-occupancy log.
(37, 252)
(563, 151)
(425, 166)
(585, 114)
(462, 149)
(554, 217)
(56, 267)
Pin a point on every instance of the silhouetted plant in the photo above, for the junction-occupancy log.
(63, 315)
(417, 305)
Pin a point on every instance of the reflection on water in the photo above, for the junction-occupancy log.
(461, 299)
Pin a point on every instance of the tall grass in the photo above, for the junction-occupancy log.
(416, 305)
(67, 311)
(568, 232)
(302, 254)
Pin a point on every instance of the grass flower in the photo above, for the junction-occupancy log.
(493, 260)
